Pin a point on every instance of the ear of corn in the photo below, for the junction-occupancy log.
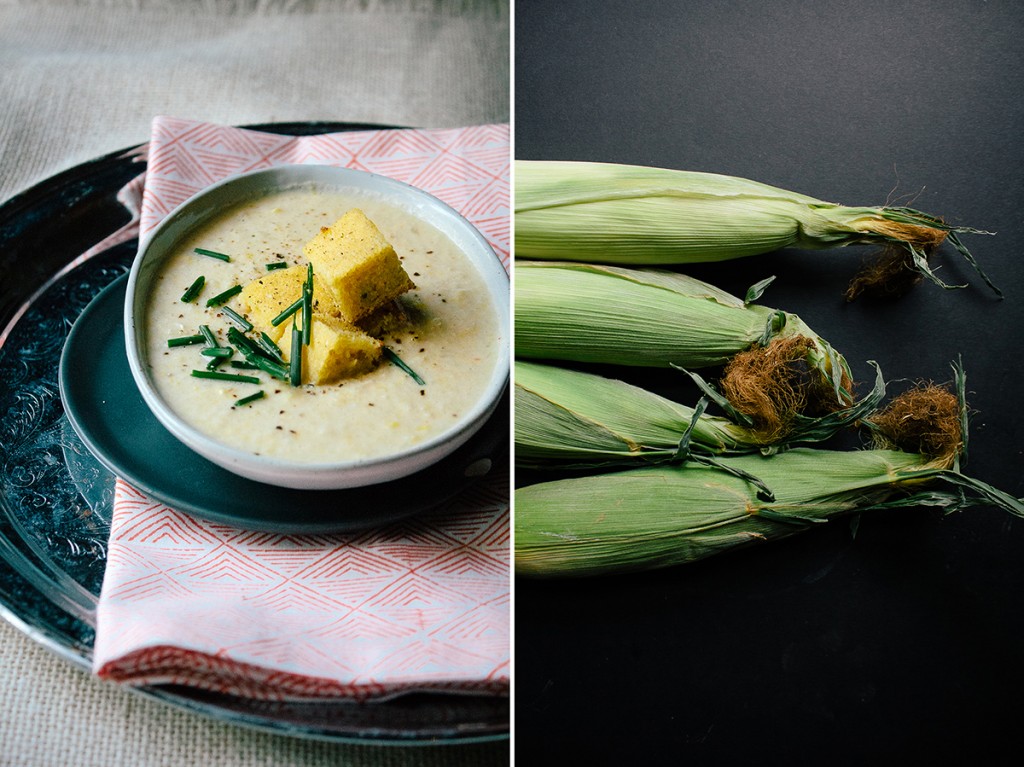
(668, 515)
(626, 214)
(565, 414)
(639, 317)
(568, 417)
(650, 317)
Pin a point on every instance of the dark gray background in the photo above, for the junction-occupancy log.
(905, 643)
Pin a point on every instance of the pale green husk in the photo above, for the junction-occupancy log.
(669, 515)
(641, 317)
(573, 418)
(635, 215)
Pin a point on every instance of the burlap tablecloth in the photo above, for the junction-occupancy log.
(82, 78)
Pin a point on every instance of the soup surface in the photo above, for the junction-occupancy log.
(450, 337)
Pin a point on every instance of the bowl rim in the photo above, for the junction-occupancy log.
(289, 176)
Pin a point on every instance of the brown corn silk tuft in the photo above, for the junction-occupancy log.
(925, 419)
(892, 273)
(774, 384)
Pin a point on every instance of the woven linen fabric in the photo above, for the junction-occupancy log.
(420, 604)
(105, 727)
(80, 78)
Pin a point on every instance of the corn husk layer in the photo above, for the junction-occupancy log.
(635, 215)
(637, 317)
(573, 418)
(669, 515)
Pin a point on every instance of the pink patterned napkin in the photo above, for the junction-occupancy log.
(419, 605)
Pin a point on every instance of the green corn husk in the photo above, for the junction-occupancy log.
(674, 514)
(653, 317)
(669, 515)
(568, 415)
(574, 419)
(634, 215)
(640, 317)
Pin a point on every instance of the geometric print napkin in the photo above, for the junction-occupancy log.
(421, 604)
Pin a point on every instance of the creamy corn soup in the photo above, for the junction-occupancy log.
(450, 337)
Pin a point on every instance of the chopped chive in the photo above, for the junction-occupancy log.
(208, 336)
(213, 254)
(396, 360)
(270, 367)
(287, 313)
(277, 265)
(193, 290)
(185, 341)
(307, 306)
(245, 345)
(237, 318)
(243, 365)
(217, 375)
(220, 298)
(295, 368)
(215, 363)
(256, 356)
(271, 349)
(250, 398)
(218, 351)
(270, 343)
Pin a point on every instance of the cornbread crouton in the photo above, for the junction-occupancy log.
(336, 350)
(266, 297)
(358, 264)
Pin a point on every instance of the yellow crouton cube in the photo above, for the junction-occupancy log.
(336, 350)
(358, 264)
(266, 297)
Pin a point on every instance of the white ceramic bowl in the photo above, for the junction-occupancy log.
(195, 211)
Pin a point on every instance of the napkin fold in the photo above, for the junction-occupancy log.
(422, 604)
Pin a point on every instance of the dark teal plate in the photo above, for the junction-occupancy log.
(108, 413)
